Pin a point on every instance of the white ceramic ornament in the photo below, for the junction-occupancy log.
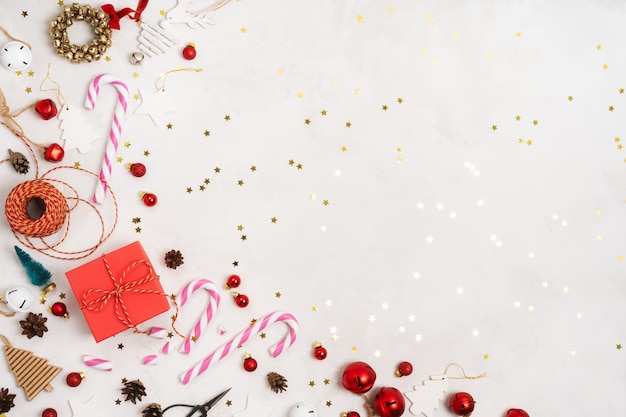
(16, 56)
(19, 299)
(302, 409)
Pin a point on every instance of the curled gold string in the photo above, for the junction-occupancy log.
(159, 84)
(464, 376)
(60, 98)
(8, 35)
(12, 124)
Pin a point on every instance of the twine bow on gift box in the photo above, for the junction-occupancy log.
(120, 287)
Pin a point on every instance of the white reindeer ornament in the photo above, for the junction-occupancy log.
(182, 13)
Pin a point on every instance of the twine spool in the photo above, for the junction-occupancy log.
(54, 208)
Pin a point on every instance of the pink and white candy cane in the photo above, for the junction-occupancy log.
(214, 302)
(240, 339)
(116, 127)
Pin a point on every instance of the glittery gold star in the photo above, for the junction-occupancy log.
(135, 74)
(170, 335)
(29, 90)
(207, 181)
(326, 381)
(202, 187)
(207, 133)
(162, 12)
(605, 66)
(189, 190)
(328, 403)
(570, 98)
(274, 219)
(227, 117)
(344, 149)
(31, 73)
(240, 183)
(137, 229)
(136, 220)
(127, 144)
(229, 403)
(217, 170)
(300, 94)
(385, 107)
(77, 164)
(521, 140)
(194, 339)
(60, 3)
(518, 117)
(400, 100)
(244, 237)
(253, 168)
(535, 122)
(170, 126)
(252, 322)
(494, 127)
(323, 112)
(24, 13)
(291, 162)
(325, 202)
(107, 58)
(277, 294)
(307, 121)
(240, 227)
(311, 383)
(621, 91)
(611, 108)
(598, 47)
(136, 96)
(348, 124)
(119, 159)
(18, 73)
(243, 30)
(486, 356)
(618, 346)
(42, 301)
(62, 296)
(118, 401)
(360, 18)
(299, 166)
(529, 142)
(314, 308)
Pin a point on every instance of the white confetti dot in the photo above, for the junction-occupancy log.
(459, 290)
(401, 329)
(475, 332)
(418, 337)
(416, 275)
(377, 353)
(453, 215)
(430, 239)
(420, 205)
(372, 318)
(412, 317)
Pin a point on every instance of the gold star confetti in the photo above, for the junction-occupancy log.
(18, 73)
(227, 117)
(618, 346)
(24, 13)
(274, 219)
(307, 121)
(300, 94)
(170, 335)
(291, 162)
(170, 126)
(107, 58)
(400, 100)
(570, 98)
(299, 166)
(162, 12)
(344, 149)
(518, 34)
(235, 263)
(136, 96)
(202, 187)
(135, 74)
(62, 296)
(42, 301)
(486, 356)
(77, 164)
(311, 383)
(360, 18)
(357, 91)
(120, 346)
(207, 133)
(31, 73)
(617, 139)
(325, 202)
(277, 294)
(240, 227)
(217, 170)
(597, 212)
(323, 112)
(240, 183)
(60, 3)
(535, 122)
(244, 237)
(328, 403)
(189, 190)
(518, 117)
(28, 90)
(280, 70)
(137, 229)
(605, 66)
(253, 168)
(263, 335)
(529, 142)
(119, 159)
(136, 220)
(348, 124)
(243, 30)
(611, 108)
(314, 309)
(621, 91)
(494, 127)
(598, 47)
(118, 401)
(385, 107)
(127, 144)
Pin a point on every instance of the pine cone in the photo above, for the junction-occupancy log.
(278, 383)
(173, 259)
(6, 400)
(133, 390)
(34, 325)
(153, 410)
(19, 162)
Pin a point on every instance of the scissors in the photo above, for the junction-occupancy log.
(203, 409)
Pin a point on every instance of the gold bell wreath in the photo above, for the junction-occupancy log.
(57, 200)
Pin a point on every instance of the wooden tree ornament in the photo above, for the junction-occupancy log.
(32, 372)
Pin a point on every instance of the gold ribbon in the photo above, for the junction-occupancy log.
(464, 375)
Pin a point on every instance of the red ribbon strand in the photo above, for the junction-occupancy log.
(116, 15)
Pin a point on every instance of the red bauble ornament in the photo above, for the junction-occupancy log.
(49, 412)
(249, 363)
(241, 300)
(389, 402)
(54, 153)
(233, 281)
(59, 309)
(137, 169)
(149, 199)
(46, 109)
(404, 369)
(350, 414)
(462, 404)
(319, 351)
(516, 412)
(189, 51)
(358, 377)
(74, 379)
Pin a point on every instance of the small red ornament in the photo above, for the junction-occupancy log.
(516, 412)
(54, 153)
(350, 414)
(49, 412)
(46, 109)
(149, 199)
(59, 309)
(241, 300)
(404, 369)
(137, 169)
(389, 402)
(249, 363)
(462, 404)
(358, 377)
(74, 379)
(233, 281)
(189, 51)
(319, 351)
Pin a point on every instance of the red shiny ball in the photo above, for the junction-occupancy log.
(462, 404)
(516, 412)
(46, 109)
(137, 169)
(351, 414)
(150, 199)
(54, 153)
(242, 300)
(249, 364)
(358, 377)
(320, 352)
(189, 52)
(74, 379)
(233, 281)
(58, 309)
(404, 369)
(49, 412)
(389, 402)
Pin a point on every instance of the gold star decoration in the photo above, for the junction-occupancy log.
(605, 66)
(107, 58)
(136, 220)
(244, 237)
(518, 34)
(299, 166)
(137, 229)
(227, 117)
(400, 100)
(240, 183)
(621, 91)
(277, 294)
(240, 227)
(162, 12)
(62, 296)
(274, 219)
(360, 18)
(307, 121)
(518, 118)
(146, 153)
(570, 98)
(611, 108)
(348, 124)
(229, 403)
(207, 133)
(323, 112)
(136, 96)
(118, 401)
(28, 90)
(18, 73)
(385, 107)
(314, 309)
(202, 187)
(127, 144)
(328, 403)
(291, 162)
(344, 149)
(24, 13)
(135, 74)
(170, 335)
(263, 335)
(235, 263)
(31, 73)
(207, 181)
(253, 168)
(189, 190)
(486, 356)
(325, 202)
(300, 94)
(311, 383)
(598, 47)
(535, 122)
(170, 126)
(60, 3)
(77, 164)
(618, 346)
(120, 346)
(326, 381)
(119, 159)
(217, 170)
(494, 127)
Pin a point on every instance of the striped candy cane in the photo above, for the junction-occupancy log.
(214, 302)
(239, 340)
(98, 363)
(116, 127)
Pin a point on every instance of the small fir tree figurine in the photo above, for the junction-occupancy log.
(37, 273)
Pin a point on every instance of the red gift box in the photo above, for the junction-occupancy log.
(118, 291)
